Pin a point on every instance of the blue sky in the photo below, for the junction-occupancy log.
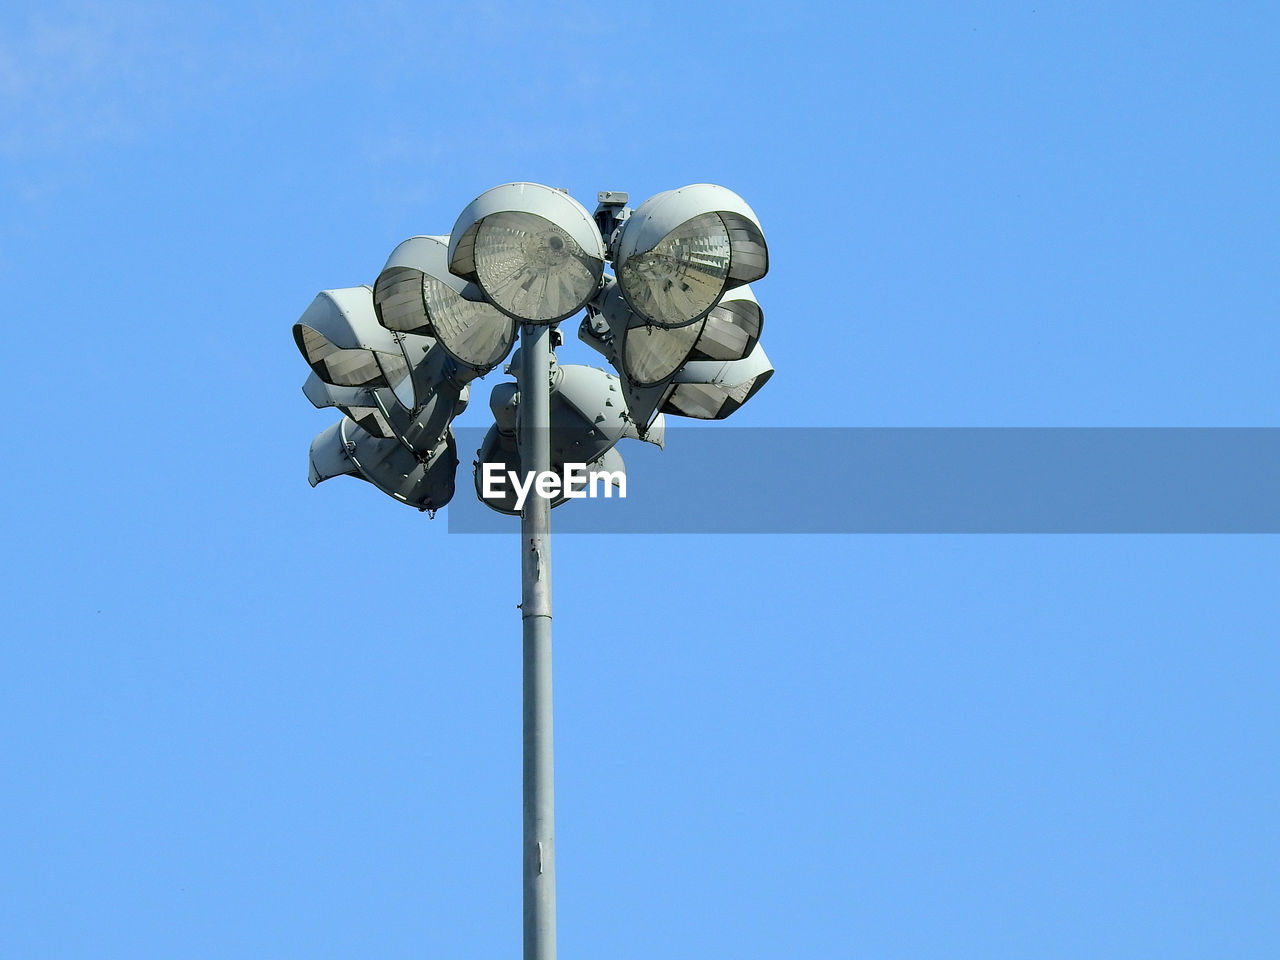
(243, 718)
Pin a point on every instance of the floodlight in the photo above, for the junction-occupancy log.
(345, 449)
(535, 252)
(400, 387)
(679, 325)
(416, 293)
(705, 370)
(712, 389)
(645, 354)
(607, 329)
(732, 329)
(341, 340)
(356, 367)
(679, 251)
(328, 457)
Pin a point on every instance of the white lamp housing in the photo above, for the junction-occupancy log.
(416, 293)
(732, 329)
(340, 338)
(714, 389)
(397, 386)
(423, 482)
(680, 250)
(651, 360)
(372, 409)
(536, 252)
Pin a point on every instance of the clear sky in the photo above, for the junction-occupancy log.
(242, 718)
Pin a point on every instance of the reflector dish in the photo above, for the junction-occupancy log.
(415, 293)
(349, 367)
(535, 252)
(474, 332)
(732, 328)
(398, 299)
(531, 268)
(340, 338)
(645, 353)
(680, 279)
(651, 354)
(679, 251)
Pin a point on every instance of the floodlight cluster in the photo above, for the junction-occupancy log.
(676, 320)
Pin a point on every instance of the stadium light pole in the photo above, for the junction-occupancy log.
(538, 256)
(534, 444)
(679, 324)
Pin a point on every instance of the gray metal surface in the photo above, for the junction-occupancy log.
(425, 481)
(535, 606)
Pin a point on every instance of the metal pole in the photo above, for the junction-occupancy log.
(535, 605)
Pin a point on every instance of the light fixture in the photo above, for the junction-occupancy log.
(341, 340)
(732, 329)
(679, 325)
(679, 251)
(399, 391)
(714, 389)
(345, 449)
(416, 293)
(652, 360)
(535, 252)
